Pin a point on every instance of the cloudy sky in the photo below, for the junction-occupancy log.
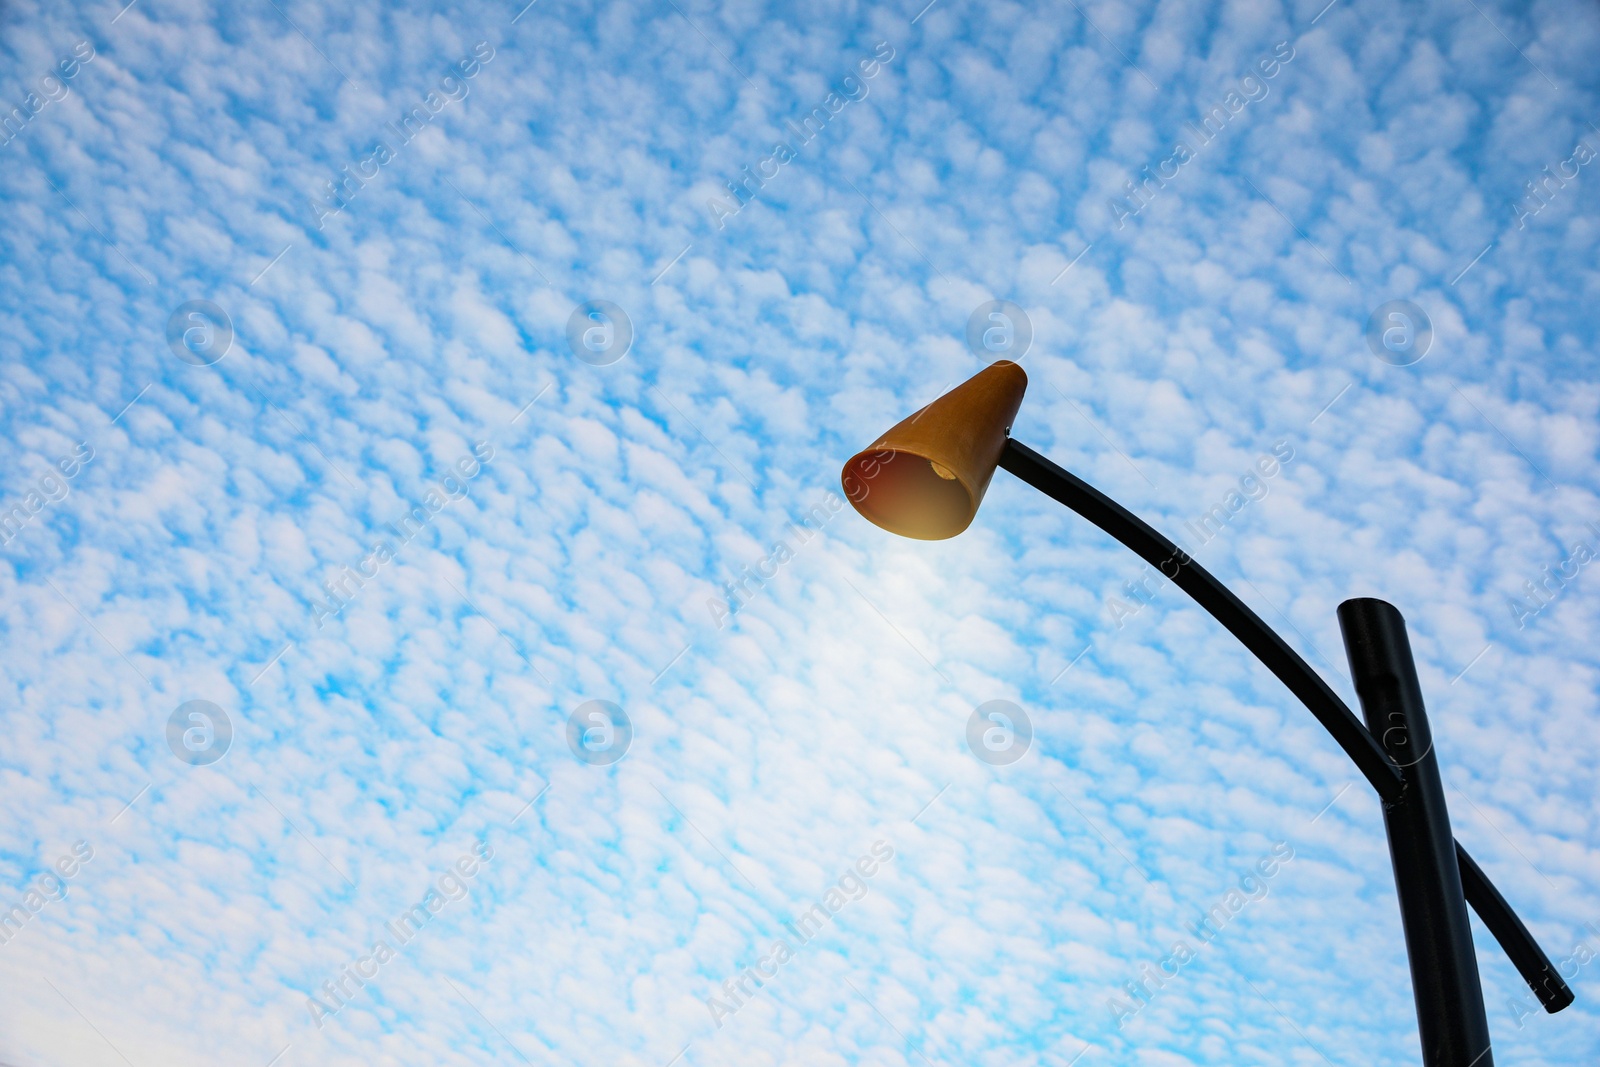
(353, 466)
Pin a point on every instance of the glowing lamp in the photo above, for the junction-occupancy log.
(926, 477)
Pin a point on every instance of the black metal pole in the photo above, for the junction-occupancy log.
(1433, 908)
(1217, 599)
(1379, 767)
(1529, 959)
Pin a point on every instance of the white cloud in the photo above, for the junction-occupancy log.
(423, 318)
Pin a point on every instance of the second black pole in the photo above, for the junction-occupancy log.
(1433, 910)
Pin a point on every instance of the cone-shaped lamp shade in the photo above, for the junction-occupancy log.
(926, 477)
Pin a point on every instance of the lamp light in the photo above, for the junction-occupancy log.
(926, 477)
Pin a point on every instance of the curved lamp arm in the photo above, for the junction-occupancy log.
(1384, 774)
(1514, 938)
(1215, 597)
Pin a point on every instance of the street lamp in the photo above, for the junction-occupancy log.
(925, 479)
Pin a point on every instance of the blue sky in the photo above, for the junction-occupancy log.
(182, 517)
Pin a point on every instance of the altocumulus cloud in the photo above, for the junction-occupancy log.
(1166, 357)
